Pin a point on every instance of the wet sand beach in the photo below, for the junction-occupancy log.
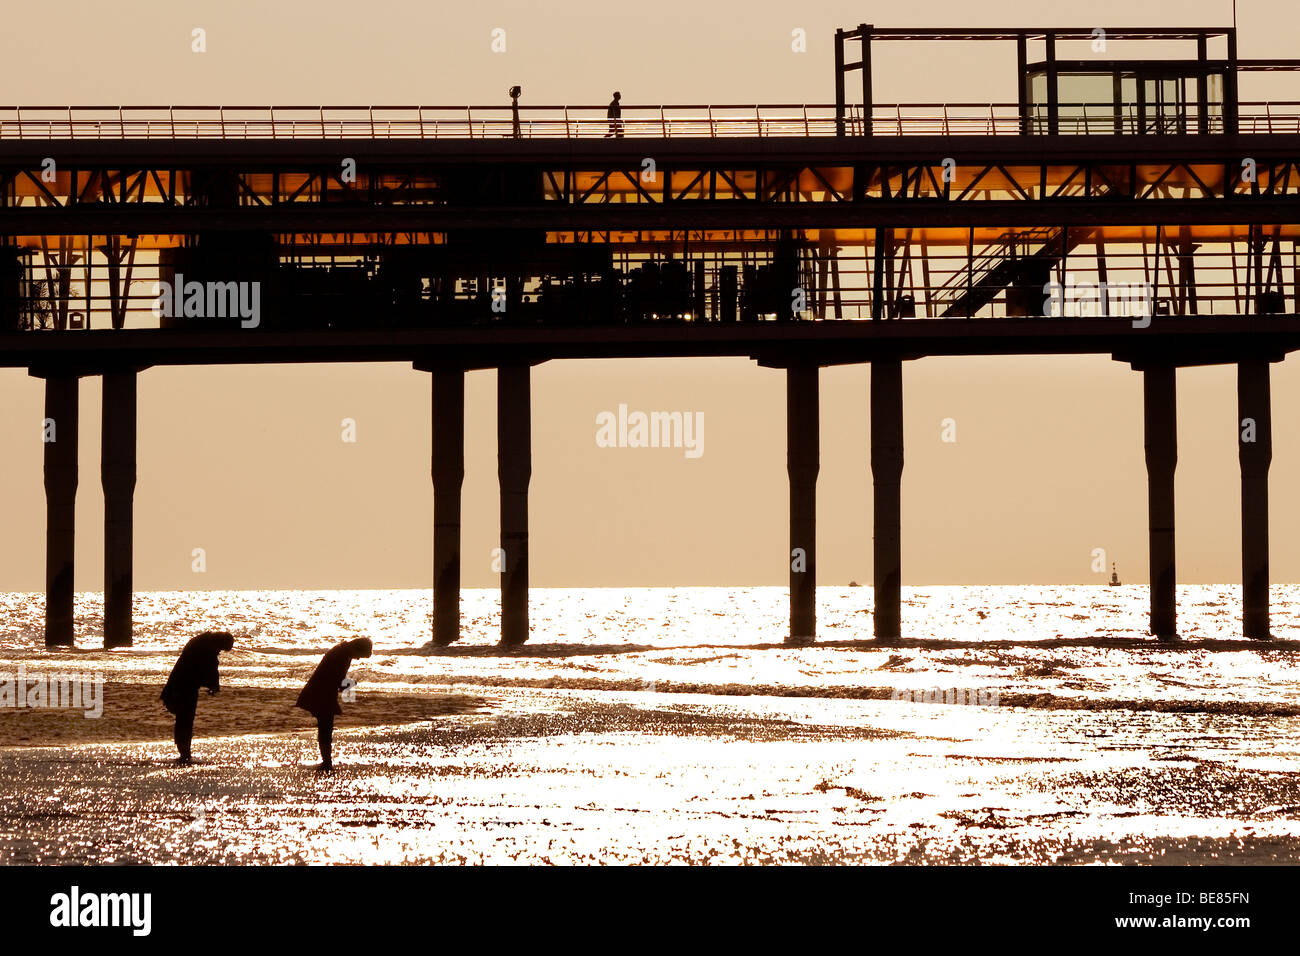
(132, 712)
(538, 776)
(675, 734)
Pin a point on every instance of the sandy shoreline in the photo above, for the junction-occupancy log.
(132, 712)
(572, 777)
(1094, 751)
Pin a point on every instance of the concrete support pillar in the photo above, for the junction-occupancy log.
(448, 476)
(802, 465)
(117, 472)
(887, 475)
(1161, 429)
(1255, 450)
(60, 438)
(514, 469)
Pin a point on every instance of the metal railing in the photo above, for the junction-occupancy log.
(312, 288)
(588, 122)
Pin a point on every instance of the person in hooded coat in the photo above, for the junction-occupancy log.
(320, 697)
(195, 668)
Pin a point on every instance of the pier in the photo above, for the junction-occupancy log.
(1134, 208)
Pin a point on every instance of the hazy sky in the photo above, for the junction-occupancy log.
(248, 462)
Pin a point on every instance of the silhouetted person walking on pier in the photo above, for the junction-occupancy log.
(320, 697)
(615, 115)
(515, 92)
(195, 668)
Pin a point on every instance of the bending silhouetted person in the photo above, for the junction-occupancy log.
(195, 668)
(320, 697)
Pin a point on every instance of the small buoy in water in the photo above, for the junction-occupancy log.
(1114, 577)
(854, 584)
(981, 614)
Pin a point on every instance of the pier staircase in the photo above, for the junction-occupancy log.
(1020, 262)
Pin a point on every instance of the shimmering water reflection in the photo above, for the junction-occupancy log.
(671, 725)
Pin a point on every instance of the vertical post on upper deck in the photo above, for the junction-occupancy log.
(1230, 105)
(1255, 452)
(1053, 94)
(514, 470)
(448, 470)
(1022, 91)
(864, 30)
(59, 434)
(1161, 443)
(802, 465)
(839, 82)
(1202, 83)
(117, 474)
(887, 475)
